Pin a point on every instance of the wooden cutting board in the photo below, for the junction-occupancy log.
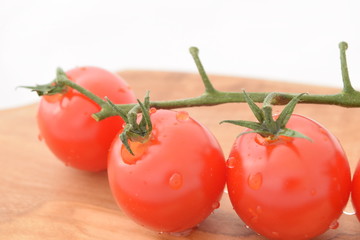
(40, 198)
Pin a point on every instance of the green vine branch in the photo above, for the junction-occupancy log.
(348, 97)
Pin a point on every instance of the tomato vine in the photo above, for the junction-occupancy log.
(347, 97)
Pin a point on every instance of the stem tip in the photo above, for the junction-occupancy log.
(343, 45)
(194, 50)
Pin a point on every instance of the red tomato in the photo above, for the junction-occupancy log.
(355, 194)
(290, 188)
(66, 124)
(174, 180)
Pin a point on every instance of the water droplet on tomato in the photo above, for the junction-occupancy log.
(182, 116)
(255, 181)
(255, 213)
(215, 205)
(254, 216)
(334, 224)
(175, 181)
(230, 163)
(152, 110)
(258, 209)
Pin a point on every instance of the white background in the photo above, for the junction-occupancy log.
(279, 40)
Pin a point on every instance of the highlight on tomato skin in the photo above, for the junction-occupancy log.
(355, 191)
(292, 188)
(174, 180)
(66, 125)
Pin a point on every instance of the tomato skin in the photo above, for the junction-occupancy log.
(66, 125)
(175, 180)
(292, 188)
(355, 192)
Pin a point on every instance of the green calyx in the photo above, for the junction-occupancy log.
(55, 87)
(266, 125)
(135, 131)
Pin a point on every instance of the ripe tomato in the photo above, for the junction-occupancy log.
(174, 180)
(290, 188)
(355, 193)
(66, 124)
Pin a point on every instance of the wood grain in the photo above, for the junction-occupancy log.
(40, 198)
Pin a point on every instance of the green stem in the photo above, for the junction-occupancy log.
(64, 80)
(209, 88)
(106, 109)
(348, 97)
(267, 109)
(347, 87)
(269, 99)
(237, 97)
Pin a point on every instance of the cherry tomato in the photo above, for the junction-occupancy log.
(290, 188)
(355, 193)
(66, 124)
(174, 180)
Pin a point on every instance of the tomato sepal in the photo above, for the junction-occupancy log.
(268, 127)
(55, 87)
(287, 132)
(134, 131)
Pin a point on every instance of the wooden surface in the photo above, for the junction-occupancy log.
(40, 198)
